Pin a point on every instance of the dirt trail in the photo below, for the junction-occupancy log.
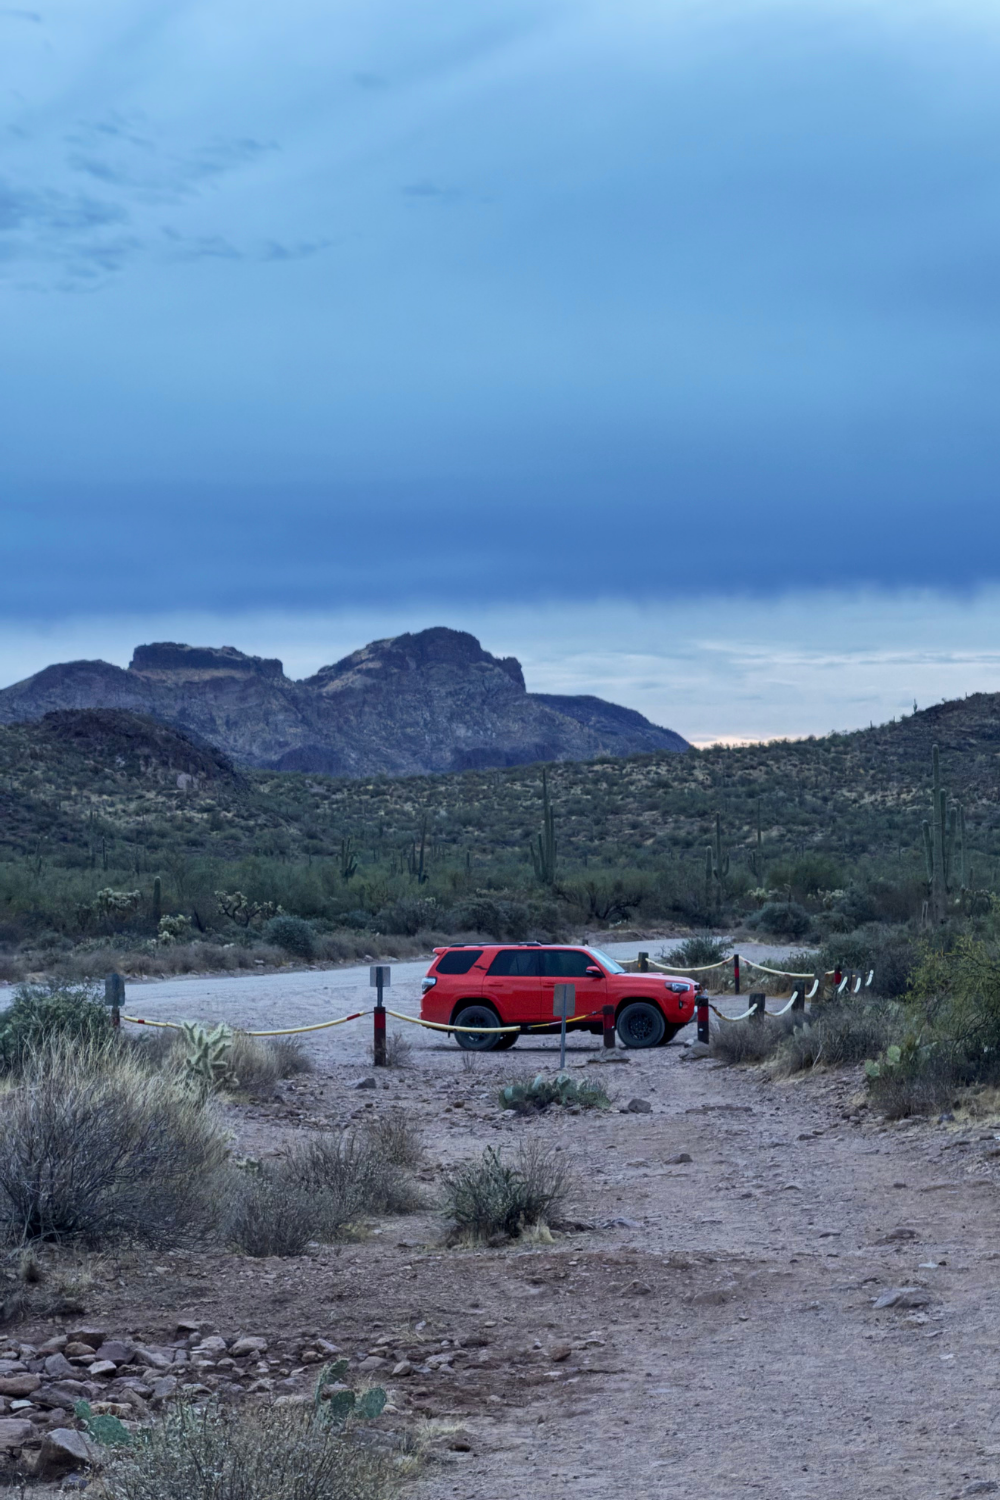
(720, 1341)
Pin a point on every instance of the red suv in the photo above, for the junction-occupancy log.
(507, 984)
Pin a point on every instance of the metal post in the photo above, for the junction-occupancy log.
(114, 995)
(702, 1013)
(563, 1004)
(757, 1005)
(799, 997)
(609, 1026)
(837, 977)
(736, 973)
(379, 975)
(643, 963)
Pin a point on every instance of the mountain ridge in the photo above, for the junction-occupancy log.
(433, 701)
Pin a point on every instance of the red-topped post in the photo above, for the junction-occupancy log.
(736, 973)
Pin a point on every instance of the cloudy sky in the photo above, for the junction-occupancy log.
(655, 342)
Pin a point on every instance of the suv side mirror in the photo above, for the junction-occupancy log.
(593, 972)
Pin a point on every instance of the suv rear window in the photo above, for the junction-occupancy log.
(459, 962)
(521, 963)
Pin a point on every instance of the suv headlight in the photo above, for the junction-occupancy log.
(427, 984)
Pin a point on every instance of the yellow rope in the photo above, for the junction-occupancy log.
(285, 1031)
(439, 1026)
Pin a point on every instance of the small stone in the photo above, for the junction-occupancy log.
(101, 1368)
(363, 1083)
(981, 1487)
(14, 1432)
(402, 1369)
(116, 1351)
(638, 1289)
(54, 1346)
(19, 1385)
(373, 1362)
(678, 1160)
(245, 1346)
(696, 1052)
(164, 1388)
(82, 1353)
(211, 1346)
(58, 1367)
(84, 1334)
(325, 1347)
(638, 1107)
(62, 1449)
(903, 1296)
(560, 1352)
(185, 1326)
(255, 1388)
(311, 1357)
(153, 1359)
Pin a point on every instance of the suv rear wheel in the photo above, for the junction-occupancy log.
(481, 1041)
(641, 1024)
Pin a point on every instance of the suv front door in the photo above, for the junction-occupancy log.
(569, 966)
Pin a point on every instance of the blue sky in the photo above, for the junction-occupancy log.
(607, 320)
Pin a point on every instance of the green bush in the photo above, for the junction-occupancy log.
(293, 934)
(532, 1095)
(41, 1014)
(784, 919)
(839, 1033)
(94, 1146)
(751, 1041)
(261, 1453)
(507, 921)
(695, 951)
(497, 1198)
(892, 952)
(408, 916)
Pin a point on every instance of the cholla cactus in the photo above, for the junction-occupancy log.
(206, 1065)
(172, 929)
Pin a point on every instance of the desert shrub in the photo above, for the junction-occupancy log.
(703, 948)
(396, 1139)
(292, 934)
(41, 1014)
(408, 916)
(781, 919)
(268, 1213)
(529, 1095)
(321, 1191)
(398, 1049)
(839, 1034)
(751, 1041)
(93, 1145)
(265, 1453)
(892, 952)
(290, 1056)
(254, 1066)
(498, 1197)
(508, 921)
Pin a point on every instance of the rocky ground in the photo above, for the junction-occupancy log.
(807, 1307)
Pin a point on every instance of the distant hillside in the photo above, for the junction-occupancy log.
(430, 702)
(147, 797)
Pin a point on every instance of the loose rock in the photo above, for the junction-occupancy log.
(62, 1450)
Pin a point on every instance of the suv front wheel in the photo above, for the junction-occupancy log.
(641, 1024)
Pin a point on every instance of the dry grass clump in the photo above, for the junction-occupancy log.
(94, 1146)
(838, 1034)
(267, 1453)
(754, 1040)
(324, 1189)
(497, 1198)
(396, 1138)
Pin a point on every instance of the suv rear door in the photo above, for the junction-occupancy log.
(514, 983)
(569, 966)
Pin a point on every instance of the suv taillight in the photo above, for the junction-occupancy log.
(427, 984)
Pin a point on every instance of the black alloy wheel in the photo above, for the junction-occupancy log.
(641, 1024)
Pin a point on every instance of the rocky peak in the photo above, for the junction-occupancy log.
(422, 651)
(171, 658)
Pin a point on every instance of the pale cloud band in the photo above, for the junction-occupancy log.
(720, 669)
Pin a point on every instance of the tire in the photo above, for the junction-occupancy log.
(506, 1040)
(668, 1035)
(641, 1024)
(478, 1015)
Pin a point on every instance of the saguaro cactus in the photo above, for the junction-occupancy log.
(943, 833)
(543, 853)
(716, 864)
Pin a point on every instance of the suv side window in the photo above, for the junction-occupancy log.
(518, 963)
(459, 962)
(563, 964)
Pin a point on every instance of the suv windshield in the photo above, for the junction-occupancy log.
(608, 963)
